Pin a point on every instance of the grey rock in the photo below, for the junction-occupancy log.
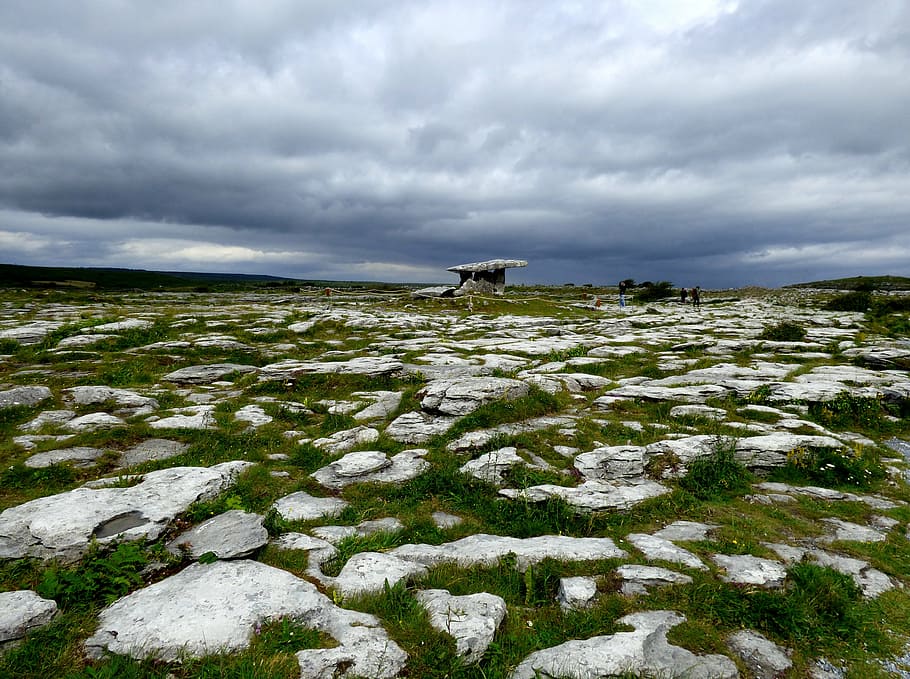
(769, 451)
(372, 466)
(231, 535)
(471, 620)
(335, 534)
(343, 441)
(191, 417)
(128, 401)
(481, 437)
(206, 374)
(23, 396)
(870, 580)
(645, 651)
(659, 549)
(418, 427)
(486, 550)
(386, 403)
(80, 456)
(33, 333)
(152, 450)
(368, 572)
(637, 579)
(462, 396)
(689, 531)
(21, 612)
(764, 658)
(851, 532)
(491, 467)
(301, 506)
(612, 462)
(93, 422)
(592, 496)
(745, 569)
(254, 415)
(576, 592)
(702, 411)
(120, 326)
(215, 608)
(49, 418)
(375, 366)
(62, 526)
(444, 520)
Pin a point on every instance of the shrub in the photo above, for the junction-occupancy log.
(785, 331)
(859, 300)
(830, 468)
(717, 475)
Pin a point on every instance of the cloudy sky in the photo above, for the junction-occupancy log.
(712, 142)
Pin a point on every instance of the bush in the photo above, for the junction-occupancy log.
(785, 331)
(859, 300)
(718, 475)
(830, 468)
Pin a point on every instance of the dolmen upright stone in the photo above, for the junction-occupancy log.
(216, 608)
(487, 277)
(645, 652)
(62, 526)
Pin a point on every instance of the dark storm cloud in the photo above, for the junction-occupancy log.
(709, 141)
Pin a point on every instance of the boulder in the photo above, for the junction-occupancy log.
(491, 467)
(62, 526)
(369, 572)
(462, 396)
(576, 592)
(93, 422)
(191, 417)
(418, 427)
(21, 612)
(764, 658)
(206, 374)
(252, 414)
(215, 608)
(80, 456)
(152, 450)
(231, 535)
(23, 396)
(645, 651)
(372, 466)
(343, 441)
(612, 462)
(471, 620)
(637, 579)
(301, 506)
(745, 569)
(659, 549)
(128, 402)
(592, 496)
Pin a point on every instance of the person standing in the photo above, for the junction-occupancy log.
(622, 294)
(682, 295)
(696, 297)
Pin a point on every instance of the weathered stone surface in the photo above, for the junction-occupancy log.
(699, 393)
(637, 579)
(386, 403)
(486, 550)
(21, 612)
(150, 450)
(702, 411)
(301, 506)
(254, 415)
(462, 396)
(62, 526)
(576, 592)
(374, 366)
(191, 417)
(764, 658)
(23, 396)
(93, 421)
(49, 418)
(418, 427)
(367, 572)
(690, 531)
(372, 466)
(343, 441)
(612, 462)
(645, 651)
(481, 437)
(745, 569)
(124, 399)
(80, 456)
(335, 534)
(472, 619)
(33, 333)
(444, 520)
(491, 467)
(206, 374)
(592, 496)
(120, 326)
(851, 532)
(231, 535)
(214, 608)
(658, 549)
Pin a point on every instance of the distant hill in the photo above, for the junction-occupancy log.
(14, 275)
(858, 283)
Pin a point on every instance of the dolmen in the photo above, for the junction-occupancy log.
(487, 277)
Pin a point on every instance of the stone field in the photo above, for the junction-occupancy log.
(371, 485)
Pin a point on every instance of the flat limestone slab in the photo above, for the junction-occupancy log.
(214, 608)
(471, 619)
(489, 265)
(62, 526)
(22, 611)
(645, 651)
(231, 535)
(486, 550)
